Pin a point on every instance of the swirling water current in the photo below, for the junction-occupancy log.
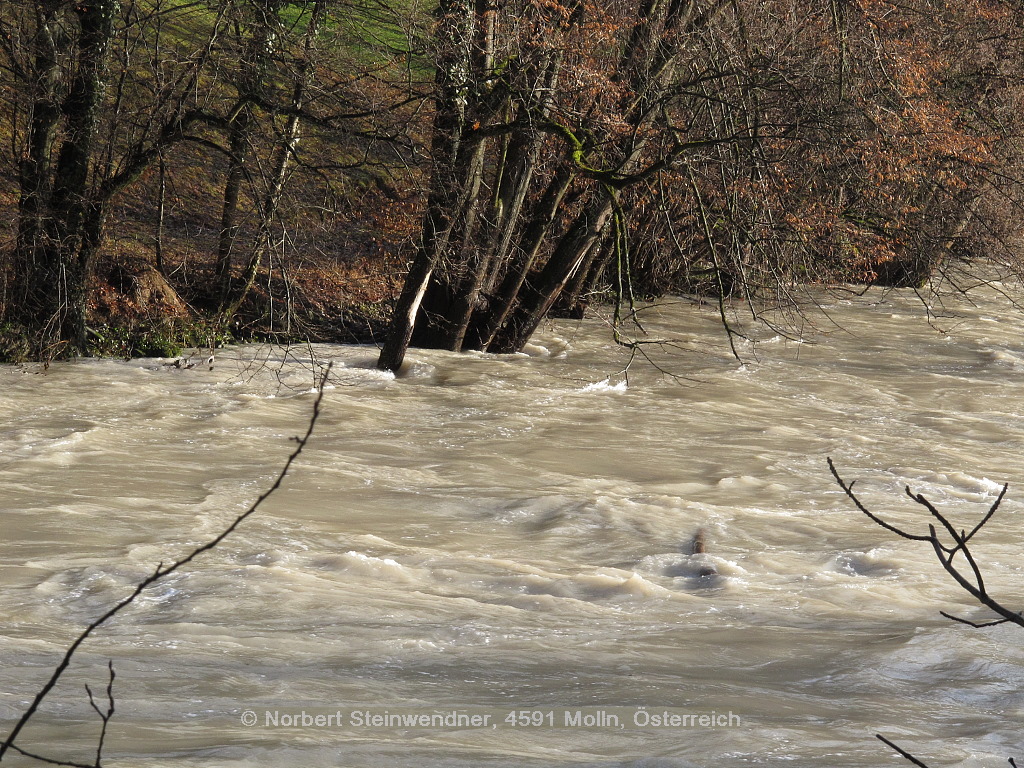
(510, 539)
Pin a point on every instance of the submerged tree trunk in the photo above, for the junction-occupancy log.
(517, 166)
(536, 231)
(540, 293)
(484, 289)
(444, 299)
(914, 270)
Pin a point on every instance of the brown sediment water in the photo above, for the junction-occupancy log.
(511, 538)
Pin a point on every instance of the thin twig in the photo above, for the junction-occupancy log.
(161, 572)
(991, 511)
(104, 716)
(902, 752)
(975, 624)
(849, 492)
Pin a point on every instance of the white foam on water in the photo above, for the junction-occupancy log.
(606, 386)
(493, 532)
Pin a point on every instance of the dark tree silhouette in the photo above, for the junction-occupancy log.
(968, 574)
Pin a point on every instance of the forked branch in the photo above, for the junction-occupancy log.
(966, 571)
(971, 580)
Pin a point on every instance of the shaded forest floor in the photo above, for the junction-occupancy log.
(321, 299)
(330, 277)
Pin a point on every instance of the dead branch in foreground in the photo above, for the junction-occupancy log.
(156, 576)
(973, 582)
(970, 578)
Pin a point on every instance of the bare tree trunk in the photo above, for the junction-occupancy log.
(286, 148)
(257, 52)
(450, 211)
(35, 236)
(161, 210)
(519, 166)
(449, 302)
(504, 297)
(80, 220)
(392, 355)
(60, 225)
(541, 292)
(455, 25)
(67, 173)
(571, 302)
(452, 294)
(238, 149)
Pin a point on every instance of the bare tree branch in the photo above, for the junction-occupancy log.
(49, 760)
(104, 716)
(945, 555)
(975, 624)
(973, 582)
(157, 575)
(902, 752)
(848, 488)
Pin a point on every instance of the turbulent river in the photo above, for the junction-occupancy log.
(488, 561)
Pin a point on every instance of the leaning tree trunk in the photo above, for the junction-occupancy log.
(444, 302)
(455, 25)
(452, 292)
(461, 308)
(515, 177)
(478, 233)
(646, 64)
(504, 296)
(449, 195)
(540, 293)
(572, 301)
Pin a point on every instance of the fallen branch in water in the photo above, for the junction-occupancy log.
(156, 576)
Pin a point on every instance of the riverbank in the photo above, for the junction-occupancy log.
(139, 311)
